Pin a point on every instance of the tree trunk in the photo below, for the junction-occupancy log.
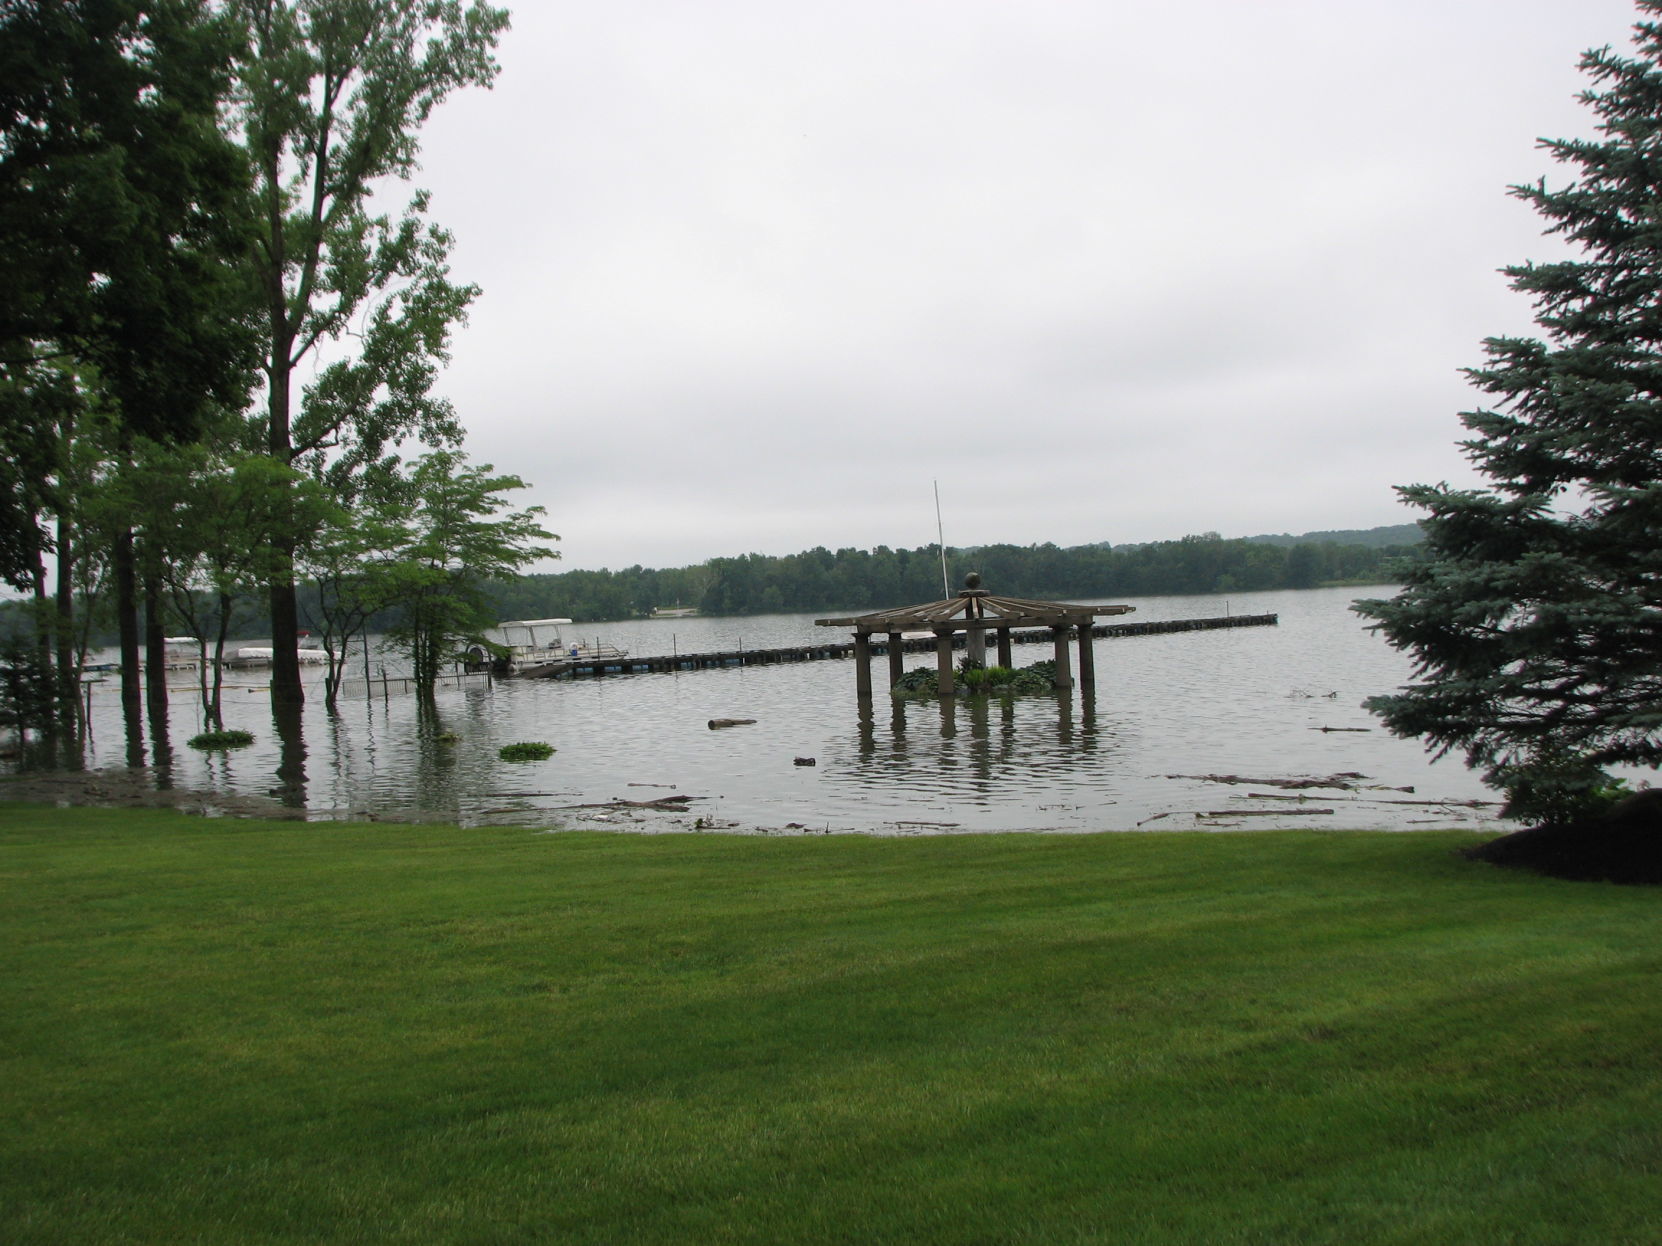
(155, 651)
(44, 681)
(127, 623)
(155, 675)
(69, 668)
(286, 688)
(215, 707)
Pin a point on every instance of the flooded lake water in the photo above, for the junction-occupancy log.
(1259, 703)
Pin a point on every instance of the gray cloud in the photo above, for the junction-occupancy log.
(755, 274)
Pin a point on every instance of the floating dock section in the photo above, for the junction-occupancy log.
(843, 649)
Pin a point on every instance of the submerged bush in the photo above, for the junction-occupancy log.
(222, 739)
(919, 681)
(922, 681)
(526, 750)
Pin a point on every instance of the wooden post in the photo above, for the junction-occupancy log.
(1064, 671)
(1004, 647)
(975, 645)
(862, 665)
(1087, 655)
(897, 658)
(943, 662)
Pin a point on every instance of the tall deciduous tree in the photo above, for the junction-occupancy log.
(1535, 620)
(120, 200)
(330, 97)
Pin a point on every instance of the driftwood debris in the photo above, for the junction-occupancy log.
(1346, 781)
(1458, 804)
(1263, 813)
(617, 802)
(716, 724)
(1328, 729)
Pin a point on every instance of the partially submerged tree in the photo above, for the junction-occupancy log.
(348, 565)
(209, 514)
(330, 96)
(457, 539)
(1535, 618)
(121, 204)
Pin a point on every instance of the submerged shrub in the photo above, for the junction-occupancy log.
(972, 680)
(526, 750)
(222, 739)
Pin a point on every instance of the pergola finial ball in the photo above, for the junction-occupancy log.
(972, 580)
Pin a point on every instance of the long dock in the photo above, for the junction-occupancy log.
(630, 665)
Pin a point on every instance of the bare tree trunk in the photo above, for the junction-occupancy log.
(43, 680)
(155, 673)
(127, 623)
(216, 706)
(69, 667)
(286, 688)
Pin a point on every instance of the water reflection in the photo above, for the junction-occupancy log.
(288, 720)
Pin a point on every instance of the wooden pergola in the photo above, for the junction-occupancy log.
(975, 612)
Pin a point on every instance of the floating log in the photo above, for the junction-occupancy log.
(1345, 781)
(1264, 813)
(662, 802)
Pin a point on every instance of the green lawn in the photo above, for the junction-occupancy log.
(246, 1032)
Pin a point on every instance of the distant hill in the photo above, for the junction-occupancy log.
(1372, 538)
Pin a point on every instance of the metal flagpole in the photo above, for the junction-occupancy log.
(940, 536)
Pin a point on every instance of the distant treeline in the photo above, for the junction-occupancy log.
(855, 579)
(858, 579)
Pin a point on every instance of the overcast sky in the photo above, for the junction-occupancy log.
(757, 272)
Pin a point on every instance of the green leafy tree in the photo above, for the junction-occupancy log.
(1535, 617)
(120, 208)
(207, 517)
(349, 567)
(457, 540)
(329, 98)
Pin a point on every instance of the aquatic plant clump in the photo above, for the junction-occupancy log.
(526, 750)
(222, 739)
(924, 681)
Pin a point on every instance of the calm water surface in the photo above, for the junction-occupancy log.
(1250, 702)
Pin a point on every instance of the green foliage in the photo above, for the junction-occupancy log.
(330, 95)
(120, 217)
(1535, 617)
(919, 681)
(221, 739)
(1554, 788)
(924, 681)
(526, 750)
(121, 203)
(454, 541)
(28, 690)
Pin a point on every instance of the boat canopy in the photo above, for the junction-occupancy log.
(531, 623)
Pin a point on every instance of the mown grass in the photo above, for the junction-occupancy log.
(251, 1032)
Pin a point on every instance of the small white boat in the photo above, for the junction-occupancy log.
(536, 650)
